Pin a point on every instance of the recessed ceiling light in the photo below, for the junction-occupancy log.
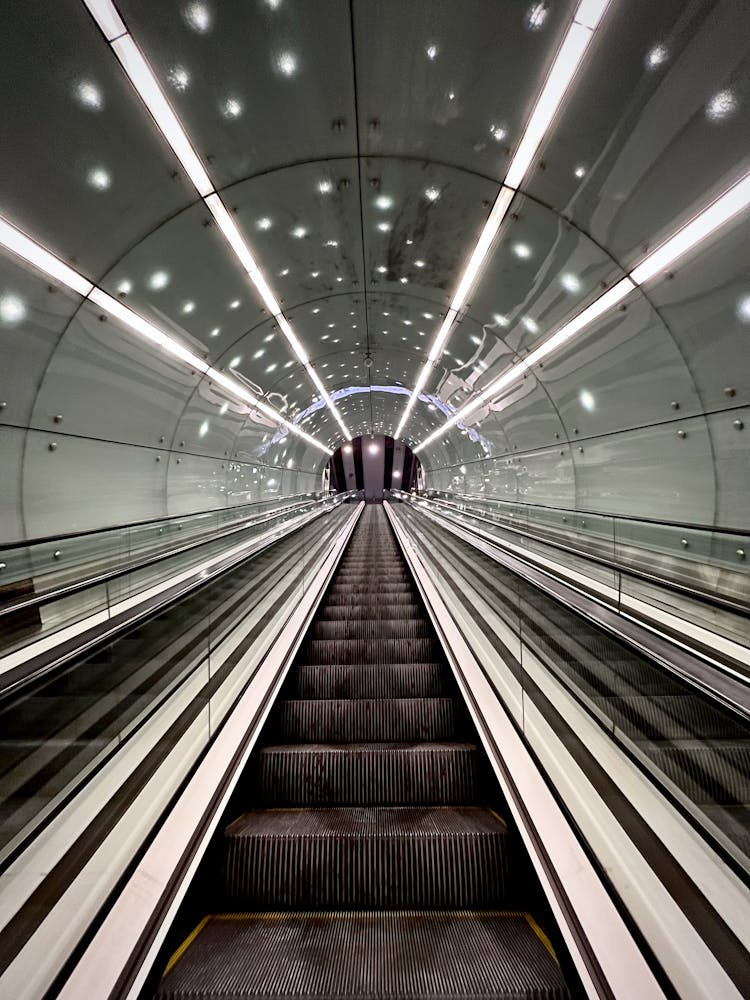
(235, 361)
(381, 269)
(325, 186)
(522, 250)
(158, 280)
(198, 17)
(286, 63)
(88, 95)
(404, 280)
(384, 227)
(580, 171)
(419, 263)
(264, 223)
(428, 315)
(536, 15)
(12, 309)
(587, 400)
(722, 105)
(431, 51)
(179, 78)
(432, 193)
(125, 287)
(498, 133)
(530, 324)
(743, 309)
(299, 232)
(231, 107)
(99, 178)
(215, 332)
(188, 307)
(331, 243)
(383, 202)
(570, 283)
(235, 304)
(656, 56)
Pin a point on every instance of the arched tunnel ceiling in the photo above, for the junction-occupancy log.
(360, 147)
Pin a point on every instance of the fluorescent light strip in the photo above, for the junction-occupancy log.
(141, 75)
(706, 222)
(45, 261)
(585, 21)
(23, 246)
(718, 213)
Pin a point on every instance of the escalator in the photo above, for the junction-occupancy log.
(56, 729)
(692, 745)
(372, 861)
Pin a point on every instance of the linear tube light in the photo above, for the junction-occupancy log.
(49, 264)
(141, 75)
(701, 227)
(585, 21)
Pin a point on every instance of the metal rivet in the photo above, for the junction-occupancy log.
(52, 446)
(57, 418)
(675, 405)
(684, 543)
(56, 554)
(581, 450)
(583, 524)
(158, 458)
(575, 430)
(741, 553)
(681, 434)
(730, 391)
(737, 424)
(565, 520)
(338, 124)
(562, 453)
(2, 567)
(182, 444)
(179, 460)
(3, 404)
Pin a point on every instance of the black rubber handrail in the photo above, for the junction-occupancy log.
(585, 512)
(49, 539)
(52, 595)
(704, 596)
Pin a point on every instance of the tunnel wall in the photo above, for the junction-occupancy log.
(647, 414)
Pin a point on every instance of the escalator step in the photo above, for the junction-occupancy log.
(344, 612)
(422, 650)
(374, 587)
(370, 680)
(372, 628)
(338, 956)
(368, 774)
(393, 859)
(359, 720)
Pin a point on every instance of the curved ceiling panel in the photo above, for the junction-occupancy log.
(359, 151)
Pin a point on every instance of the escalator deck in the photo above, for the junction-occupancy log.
(371, 866)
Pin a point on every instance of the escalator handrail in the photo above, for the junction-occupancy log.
(66, 590)
(22, 543)
(696, 594)
(712, 677)
(36, 666)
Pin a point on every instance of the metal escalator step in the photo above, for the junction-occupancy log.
(369, 680)
(368, 774)
(669, 716)
(431, 955)
(359, 720)
(375, 593)
(375, 609)
(388, 858)
(710, 773)
(372, 628)
(370, 651)
(372, 586)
